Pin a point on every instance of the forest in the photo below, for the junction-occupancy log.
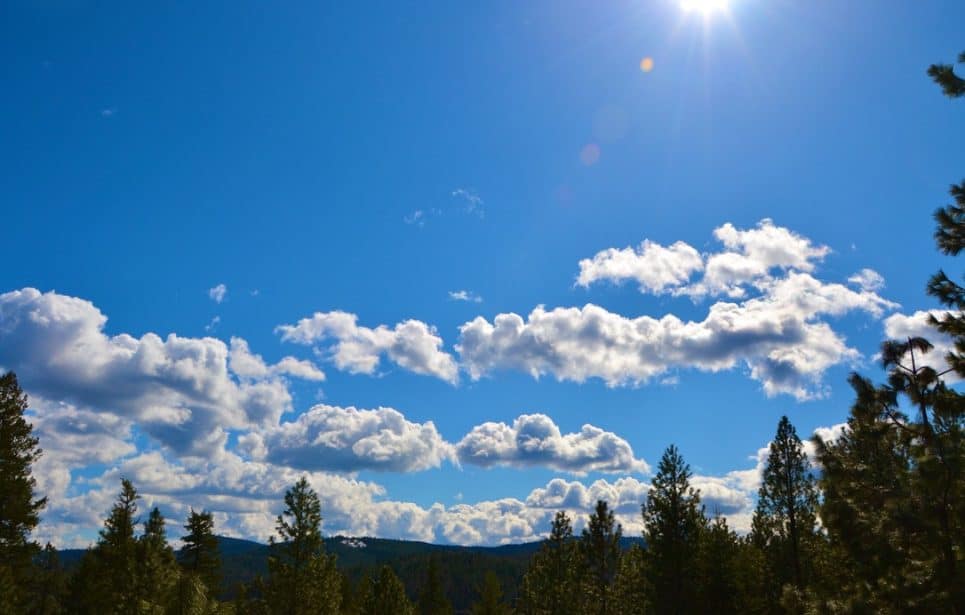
(872, 523)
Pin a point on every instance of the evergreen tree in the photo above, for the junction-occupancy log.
(868, 507)
(749, 574)
(200, 556)
(432, 599)
(716, 561)
(117, 550)
(19, 508)
(386, 595)
(8, 592)
(156, 571)
(50, 586)
(785, 520)
(551, 584)
(893, 483)
(301, 578)
(631, 594)
(600, 558)
(673, 519)
(490, 597)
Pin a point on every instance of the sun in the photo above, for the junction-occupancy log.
(703, 6)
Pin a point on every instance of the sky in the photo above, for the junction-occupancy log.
(462, 265)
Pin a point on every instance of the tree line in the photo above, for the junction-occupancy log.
(874, 526)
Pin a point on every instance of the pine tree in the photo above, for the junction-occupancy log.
(157, 571)
(749, 574)
(386, 595)
(868, 507)
(716, 561)
(200, 555)
(785, 520)
(19, 509)
(106, 580)
(600, 558)
(894, 486)
(631, 592)
(551, 584)
(117, 550)
(302, 579)
(432, 599)
(673, 519)
(49, 589)
(490, 597)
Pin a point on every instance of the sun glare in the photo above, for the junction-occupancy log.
(703, 6)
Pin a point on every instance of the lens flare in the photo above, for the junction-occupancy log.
(590, 154)
(646, 64)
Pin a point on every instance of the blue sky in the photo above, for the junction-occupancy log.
(374, 160)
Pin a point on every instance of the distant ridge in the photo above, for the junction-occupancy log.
(463, 566)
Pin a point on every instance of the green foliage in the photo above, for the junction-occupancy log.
(432, 598)
(599, 550)
(386, 594)
(551, 585)
(944, 75)
(894, 492)
(491, 598)
(49, 587)
(19, 509)
(200, 556)
(631, 592)
(716, 561)
(785, 520)
(673, 519)
(156, 572)
(302, 579)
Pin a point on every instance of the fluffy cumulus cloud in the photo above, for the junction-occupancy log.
(196, 422)
(412, 345)
(535, 440)
(180, 390)
(349, 440)
(246, 495)
(772, 317)
(748, 257)
(654, 267)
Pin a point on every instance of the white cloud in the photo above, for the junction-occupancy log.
(464, 295)
(245, 495)
(749, 258)
(654, 267)
(218, 293)
(779, 337)
(775, 323)
(411, 344)
(349, 440)
(180, 390)
(535, 440)
(868, 279)
(251, 366)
